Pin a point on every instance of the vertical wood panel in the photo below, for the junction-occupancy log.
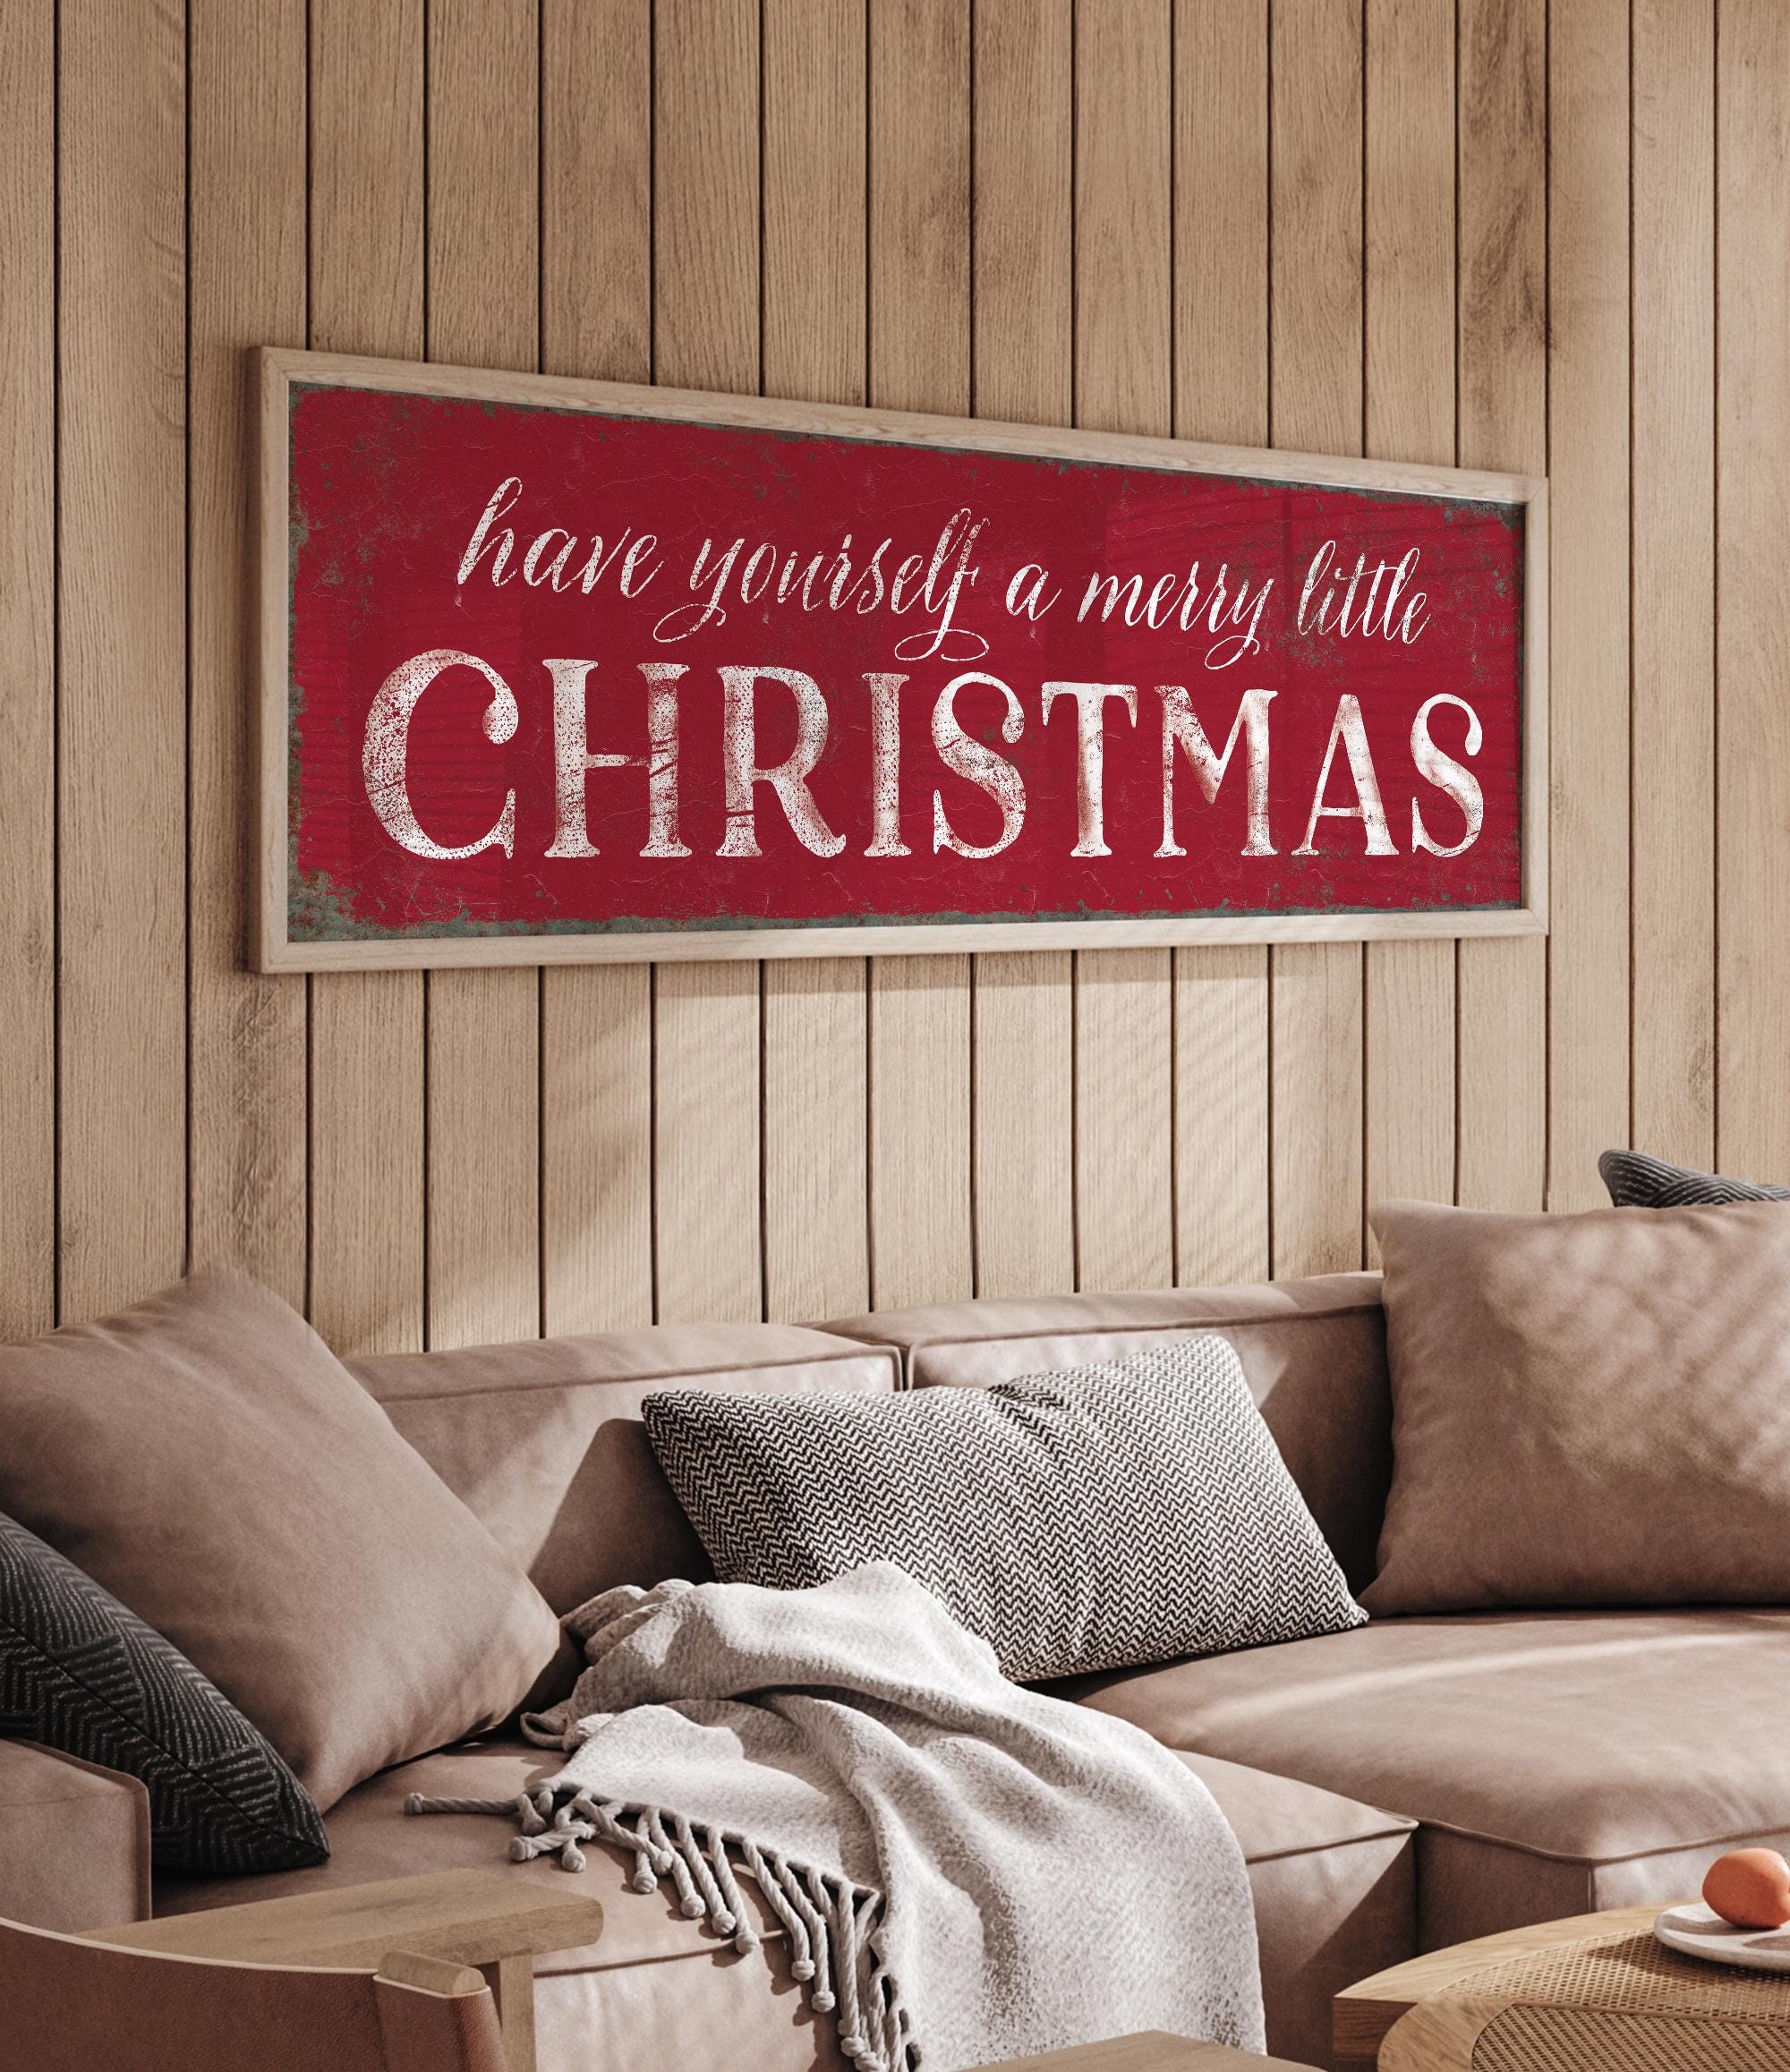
(483, 1067)
(1410, 999)
(816, 1169)
(1752, 656)
(1124, 1066)
(1674, 945)
(1220, 393)
(1316, 404)
(1502, 1039)
(247, 287)
(28, 890)
(816, 1239)
(1024, 1004)
(366, 1029)
(706, 326)
(920, 1237)
(122, 716)
(596, 320)
(199, 1101)
(1025, 1167)
(1587, 302)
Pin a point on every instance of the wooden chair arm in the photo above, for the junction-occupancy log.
(470, 1924)
(1364, 2014)
(468, 1917)
(431, 1975)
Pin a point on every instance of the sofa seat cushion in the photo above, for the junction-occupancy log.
(1334, 1887)
(1547, 1755)
(1332, 1884)
(372, 1838)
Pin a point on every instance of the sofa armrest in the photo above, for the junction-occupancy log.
(74, 1841)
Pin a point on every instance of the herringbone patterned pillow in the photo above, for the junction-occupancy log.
(1089, 1519)
(80, 1673)
(1635, 1181)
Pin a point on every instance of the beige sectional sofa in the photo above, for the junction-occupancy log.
(1396, 1787)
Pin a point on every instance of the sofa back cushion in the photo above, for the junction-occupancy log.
(543, 1440)
(1313, 1352)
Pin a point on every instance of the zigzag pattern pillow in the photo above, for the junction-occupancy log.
(1090, 1519)
(1635, 1181)
(80, 1673)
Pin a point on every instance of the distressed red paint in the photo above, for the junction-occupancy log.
(386, 492)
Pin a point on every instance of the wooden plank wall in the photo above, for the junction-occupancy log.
(1521, 234)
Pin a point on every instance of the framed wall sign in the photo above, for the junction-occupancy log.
(564, 670)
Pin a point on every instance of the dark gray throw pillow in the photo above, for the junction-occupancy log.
(81, 1673)
(1089, 1519)
(1635, 1181)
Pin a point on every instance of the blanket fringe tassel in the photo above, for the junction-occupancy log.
(830, 1922)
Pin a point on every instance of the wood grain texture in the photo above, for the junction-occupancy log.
(1409, 1004)
(706, 1246)
(1752, 653)
(816, 1047)
(816, 160)
(483, 1065)
(511, 1981)
(1024, 1038)
(921, 1244)
(705, 194)
(367, 1102)
(1366, 2011)
(1315, 400)
(816, 1138)
(1501, 185)
(122, 703)
(918, 225)
(246, 286)
(1221, 228)
(1124, 1180)
(1025, 1160)
(1673, 922)
(596, 1100)
(471, 1917)
(1221, 1067)
(28, 638)
(1221, 391)
(1587, 300)
(596, 320)
(707, 1030)
(1124, 1060)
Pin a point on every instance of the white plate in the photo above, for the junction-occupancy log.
(1696, 1931)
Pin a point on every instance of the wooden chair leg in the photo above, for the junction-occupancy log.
(512, 1982)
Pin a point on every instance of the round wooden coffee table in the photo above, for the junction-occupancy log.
(1596, 1993)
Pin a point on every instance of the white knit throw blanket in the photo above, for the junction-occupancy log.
(966, 1871)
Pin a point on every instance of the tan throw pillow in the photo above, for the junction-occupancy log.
(1587, 1409)
(206, 1459)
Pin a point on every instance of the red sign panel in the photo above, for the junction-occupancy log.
(561, 669)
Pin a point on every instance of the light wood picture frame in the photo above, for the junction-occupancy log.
(288, 376)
